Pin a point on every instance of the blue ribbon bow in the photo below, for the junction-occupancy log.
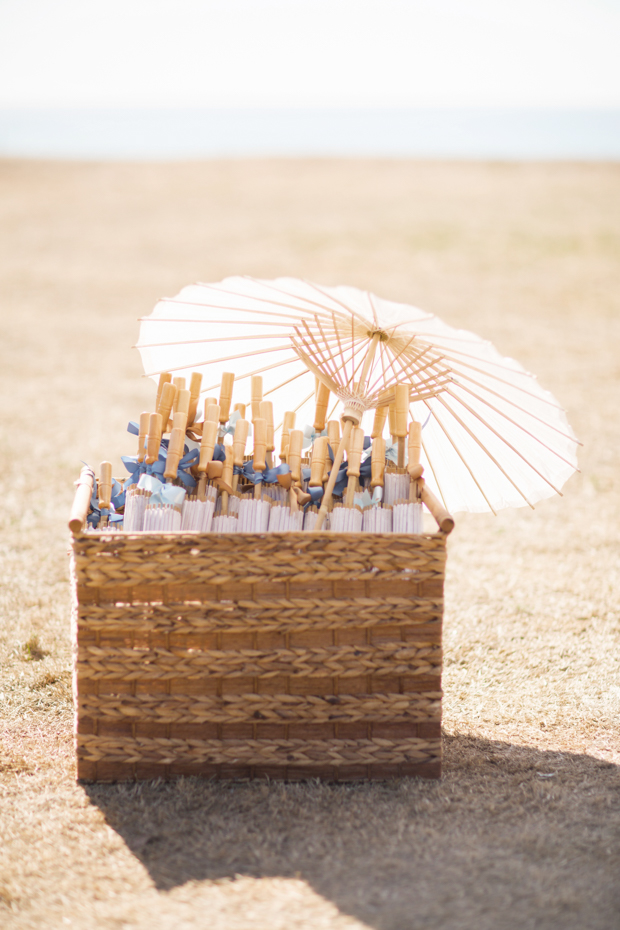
(117, 500)
(310, 434)
(230, 426)
(190, 457)
(269, 476)
(135, 468)
(365, 468)
(138, 469)
(170, 494)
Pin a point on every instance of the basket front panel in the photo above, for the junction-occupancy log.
(258, 656)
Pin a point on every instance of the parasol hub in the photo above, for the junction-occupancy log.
(383, 336)
(353, 411)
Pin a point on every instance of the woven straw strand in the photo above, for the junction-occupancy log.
(267, 615)
(255, 752)
(271, 708)
(321, 662)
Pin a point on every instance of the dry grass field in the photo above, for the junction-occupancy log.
(524, 829)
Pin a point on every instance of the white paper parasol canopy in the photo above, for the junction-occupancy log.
(492, 437)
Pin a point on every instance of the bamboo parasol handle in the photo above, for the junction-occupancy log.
(195, 384)
(166, 401)
(444, 520)
(81, 501)
(333, 475)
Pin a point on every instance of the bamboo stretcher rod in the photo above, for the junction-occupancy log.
(318, 323)
(81, 500)
(368, 295)
(348, 310)
(329, 343)
(392, 359)
(450, 353)
(216, 361)
(259, 371)
(335, 375)
(512, 404)
(423, 388)
(358, 342)
(211, 322)
(408, 371)
(295, 409)
(352, 350)
(284, 383)
(335, 384)
(462, 458)
(296, 315)
(481, 445)
(430, 465)
(502, 439)
(422, 319)
(313, 343)
(266, 300)
(307, 300)
(496, 378)
(340, 349)
(191, 342)
(330, 415)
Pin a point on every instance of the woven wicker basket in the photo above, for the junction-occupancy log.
(293, 656)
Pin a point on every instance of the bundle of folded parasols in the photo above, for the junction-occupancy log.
(217, 473)
(488, 435)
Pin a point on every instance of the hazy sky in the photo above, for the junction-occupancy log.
(309, 53)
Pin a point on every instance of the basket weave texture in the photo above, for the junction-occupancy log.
(291, 655)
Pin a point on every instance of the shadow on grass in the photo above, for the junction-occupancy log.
(511, 837)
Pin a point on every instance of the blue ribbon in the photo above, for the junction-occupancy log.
(117, 500)
(310, 434)
(230, 426)
(135, 468)
(138, 469)
(169, 494)
(391, 453)
(269, 476)
(150, 483)
(316, 494)
(189, 458)
(341, 480)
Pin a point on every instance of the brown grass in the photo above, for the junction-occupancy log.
(524, 830)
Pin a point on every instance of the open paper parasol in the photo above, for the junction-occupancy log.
(492, 437)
